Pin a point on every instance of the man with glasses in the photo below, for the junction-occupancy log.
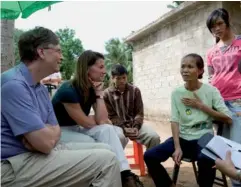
(31, 154)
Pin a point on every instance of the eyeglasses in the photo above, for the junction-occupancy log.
(55, 49)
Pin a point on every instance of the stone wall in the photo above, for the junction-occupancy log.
(156, 56)
(234, 9)
(7, 44)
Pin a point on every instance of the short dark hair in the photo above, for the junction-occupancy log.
(199, 62)
(32, 39)
(118, 70)
(213, 17)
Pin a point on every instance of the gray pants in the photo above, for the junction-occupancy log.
(147, 136)
(74, 164)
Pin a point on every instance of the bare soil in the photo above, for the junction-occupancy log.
(186, 177)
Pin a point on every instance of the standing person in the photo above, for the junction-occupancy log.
(192, 114)
(72, 103)
(224, 65)
(30, 152)
(125, 109)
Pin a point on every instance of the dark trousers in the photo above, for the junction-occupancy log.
(154, 156)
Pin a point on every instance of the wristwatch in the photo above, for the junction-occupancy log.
(238, 175)
(99, 97)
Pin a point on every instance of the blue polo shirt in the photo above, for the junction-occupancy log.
(25, 107)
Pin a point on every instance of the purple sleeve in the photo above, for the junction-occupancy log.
(19, 109)
(52, 120)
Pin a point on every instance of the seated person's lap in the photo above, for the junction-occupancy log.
(72, 134)
(191, 150)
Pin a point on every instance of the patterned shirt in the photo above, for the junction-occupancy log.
(226, 65)
(125, 109)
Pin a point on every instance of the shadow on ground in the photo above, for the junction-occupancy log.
(186, 178)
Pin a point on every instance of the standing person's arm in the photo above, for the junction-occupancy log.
(175, 118)
(24, 118)
(210, 67)
(239, 60)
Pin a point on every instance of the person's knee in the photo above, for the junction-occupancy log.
(107, 156)
(148, 156)
(123, 140)
(104, 146)
(205, 162)
(106, 128)
(155, 138)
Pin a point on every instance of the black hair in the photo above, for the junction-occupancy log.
(213, 17)
(32, 39)
(199, 62)
(118, 70)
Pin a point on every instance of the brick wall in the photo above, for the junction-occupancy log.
(156, 57)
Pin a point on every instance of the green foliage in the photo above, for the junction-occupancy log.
(118, 52)
(72, 48)
(175, 4)
(17, 34)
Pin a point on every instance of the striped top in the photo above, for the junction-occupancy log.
(125, 109)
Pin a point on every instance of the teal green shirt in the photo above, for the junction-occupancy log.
(194, 123)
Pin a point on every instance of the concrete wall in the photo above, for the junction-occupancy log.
(156, 57)
(7, 42)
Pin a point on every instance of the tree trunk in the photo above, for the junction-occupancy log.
(7, 44)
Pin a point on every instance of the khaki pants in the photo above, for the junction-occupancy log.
(101, 133)
(72, 164)
(147, 136)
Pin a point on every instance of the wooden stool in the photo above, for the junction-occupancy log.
(138, 158)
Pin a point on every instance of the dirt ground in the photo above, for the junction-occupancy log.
(186, 176)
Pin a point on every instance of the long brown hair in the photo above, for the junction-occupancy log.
(80, 80)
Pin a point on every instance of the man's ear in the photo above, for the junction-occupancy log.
(40, 53)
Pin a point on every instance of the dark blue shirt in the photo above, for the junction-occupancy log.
(67, 93)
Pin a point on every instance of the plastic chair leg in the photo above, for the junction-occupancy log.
(138, 156)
